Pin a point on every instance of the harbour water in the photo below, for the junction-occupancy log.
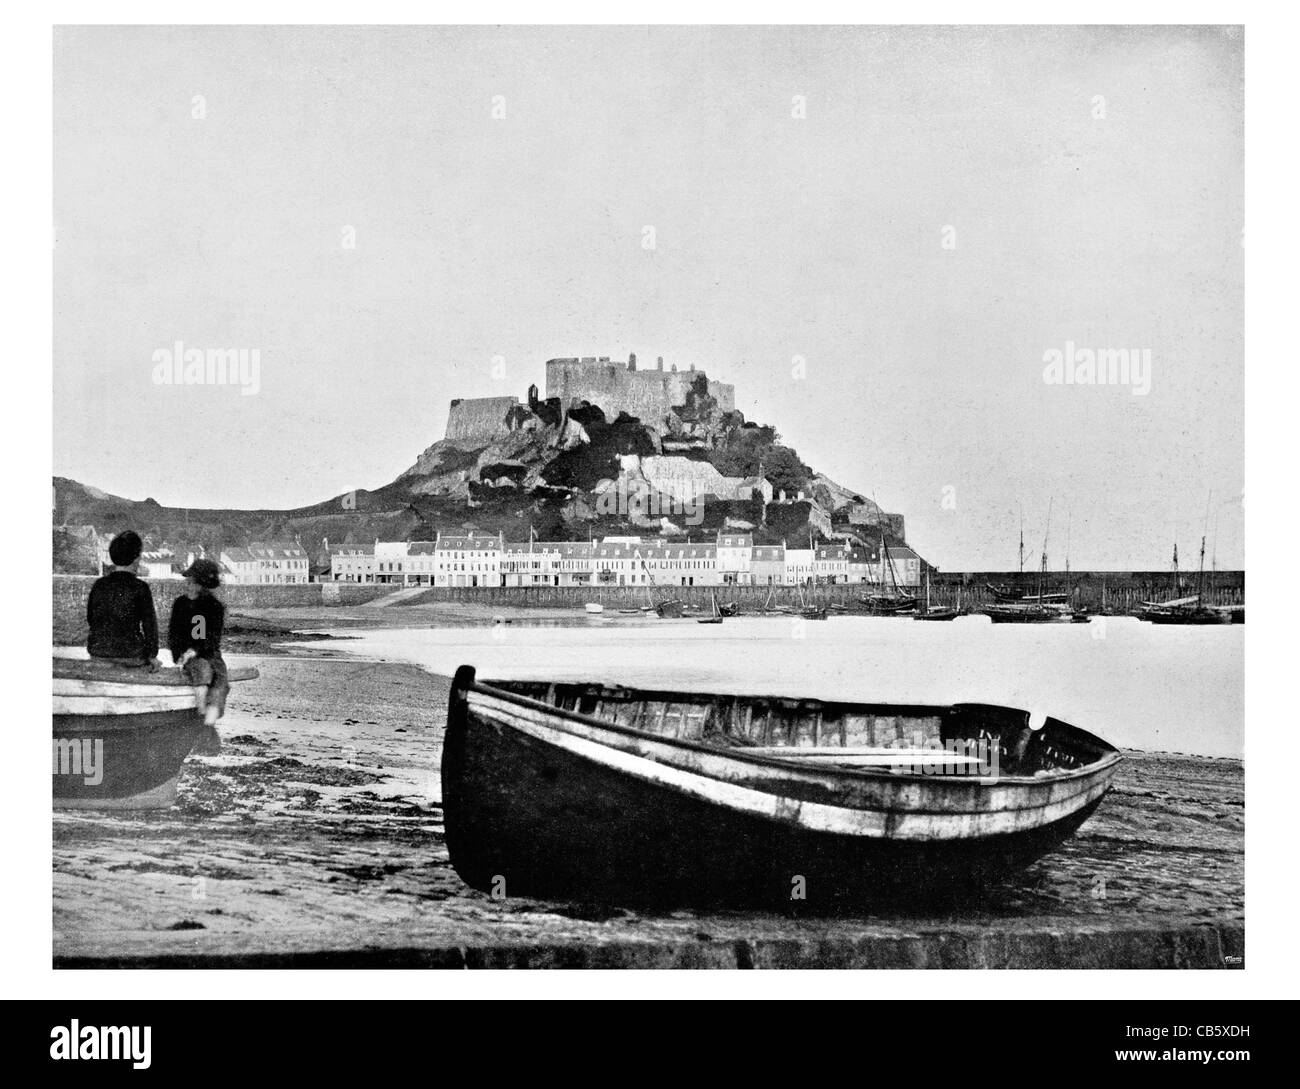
(1161, 689)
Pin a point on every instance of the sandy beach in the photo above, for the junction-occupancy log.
(314, 837)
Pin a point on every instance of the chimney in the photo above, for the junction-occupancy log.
(631, 361)
(661, 362)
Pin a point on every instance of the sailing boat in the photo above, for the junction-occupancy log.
(811, 612)
(936, 612)
(716, 617)
(1080, 614)
(665, 609)
(1037, 609)
(1146, 606)
(1189, 610)
(894, 601)
(1012, 593)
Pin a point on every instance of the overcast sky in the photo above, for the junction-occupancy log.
(952, 206)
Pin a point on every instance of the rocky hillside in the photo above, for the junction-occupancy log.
(541, 468)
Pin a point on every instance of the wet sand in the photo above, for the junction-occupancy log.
(315, 838)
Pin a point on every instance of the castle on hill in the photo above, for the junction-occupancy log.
(620, 387)
(616, 386)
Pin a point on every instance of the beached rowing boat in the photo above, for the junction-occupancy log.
(121, 735)
(603, 793)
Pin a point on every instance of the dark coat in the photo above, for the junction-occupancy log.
(122, 620)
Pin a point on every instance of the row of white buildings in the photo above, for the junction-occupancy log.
(732, 559)
(261, 563)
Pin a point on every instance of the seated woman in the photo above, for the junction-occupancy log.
(194, 636)
(120, 612)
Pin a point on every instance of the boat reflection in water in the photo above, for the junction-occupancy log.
(619, 795)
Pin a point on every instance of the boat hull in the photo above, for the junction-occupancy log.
(532, 809)
(1208, 616)
(1028, 614)
(121, 735)
(122, 761)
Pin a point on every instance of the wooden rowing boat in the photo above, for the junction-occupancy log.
(121, 735)
(620, 795)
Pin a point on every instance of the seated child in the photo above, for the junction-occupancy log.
(119, 610)
(194, 636)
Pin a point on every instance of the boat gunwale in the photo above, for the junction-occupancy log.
(98, 671)
(911, 823)
(1108, 760)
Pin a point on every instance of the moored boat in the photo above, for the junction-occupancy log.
(1187, 614)
(612, 794)
(887, 604)
(1008, 595)
(1029, 614)
(716, 616)
(936, 612)
(1191, 610)
(121, 735)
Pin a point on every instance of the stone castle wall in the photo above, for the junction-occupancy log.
(647, 394)
(479, 417)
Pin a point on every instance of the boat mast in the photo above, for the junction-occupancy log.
(649, 577)
(893, 576)
(1042, 568)
(1200, 574)
(1022, 540)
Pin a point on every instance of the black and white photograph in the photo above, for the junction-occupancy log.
(724, 506)
(649, 496)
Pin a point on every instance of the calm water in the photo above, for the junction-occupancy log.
(1174, 689)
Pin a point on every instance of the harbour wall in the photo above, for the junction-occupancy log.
(1115, 594)
(969, 597)
(71, 591)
